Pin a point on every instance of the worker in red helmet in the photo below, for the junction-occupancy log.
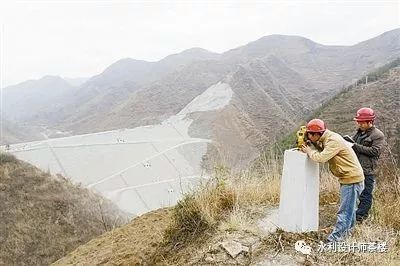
(368, 146)
(343, 163)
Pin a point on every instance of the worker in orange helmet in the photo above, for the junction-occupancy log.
(343, 163)
(368, 146)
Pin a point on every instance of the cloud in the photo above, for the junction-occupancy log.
(81, 38)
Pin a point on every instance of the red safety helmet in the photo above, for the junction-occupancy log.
(365, 114)
(316, 126)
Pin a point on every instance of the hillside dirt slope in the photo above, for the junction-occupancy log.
(133, 244)
(141, 243)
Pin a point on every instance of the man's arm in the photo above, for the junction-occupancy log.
(331, 148)
(374, 150)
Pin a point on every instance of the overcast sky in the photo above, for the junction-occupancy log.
(81, 38)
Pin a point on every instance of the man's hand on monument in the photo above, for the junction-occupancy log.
(306, 149)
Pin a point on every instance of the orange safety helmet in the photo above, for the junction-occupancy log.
(316, 126)
(365, 114)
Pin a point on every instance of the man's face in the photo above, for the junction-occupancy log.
(314, 137)
(364, 125)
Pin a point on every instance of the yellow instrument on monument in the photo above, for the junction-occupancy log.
(301, 137)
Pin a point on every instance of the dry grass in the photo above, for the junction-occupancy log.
(227, 196)
(223, 199)
(255, 191)
(203, 211)
(386, 210)
(368, 233)
(239, 219)
(199, 211)
(329, 187)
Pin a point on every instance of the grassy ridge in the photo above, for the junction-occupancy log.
(44, 217)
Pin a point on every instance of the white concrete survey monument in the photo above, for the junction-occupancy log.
(299, 199)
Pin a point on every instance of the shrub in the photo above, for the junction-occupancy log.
(7, 158)
(199, 211)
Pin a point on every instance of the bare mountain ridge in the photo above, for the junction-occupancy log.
(135, 73)
(311, 59)
(106, 91)
(273, 109)
(322, 69)
(76, 82)
(94, 98)
(274, 44)
(14, 133)
(162, 98)
(33, 95)
(270, 98)
(260, 109)
(303, 55)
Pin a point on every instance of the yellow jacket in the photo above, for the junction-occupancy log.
(342, 160)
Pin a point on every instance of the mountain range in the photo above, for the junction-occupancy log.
(276, 82)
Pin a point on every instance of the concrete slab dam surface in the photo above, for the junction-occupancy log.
(140, 169)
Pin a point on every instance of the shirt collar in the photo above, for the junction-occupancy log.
(366, 131)
(323, 137)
